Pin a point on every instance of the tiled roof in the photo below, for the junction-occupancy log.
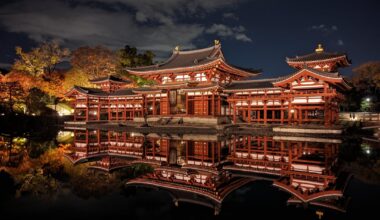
(109, 78)
(122, 92)
(251, 84)
(186, 59)
(316, 56)
(191, 59)
(321, 73)
(90, 91)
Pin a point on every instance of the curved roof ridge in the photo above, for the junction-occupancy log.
(317, 56)
(322, 73)
(198, 50)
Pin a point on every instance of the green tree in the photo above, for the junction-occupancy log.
(366, 80)
(129, 57)
(36, 101)
(40, 60)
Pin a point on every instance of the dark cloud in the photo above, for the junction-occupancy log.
(222, 30)
(326, 29)
(156, 25)
(230, 15)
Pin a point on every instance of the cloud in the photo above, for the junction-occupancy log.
(230, 15)
(340, 42)
(242, 37)
(155, 25)
(224, 31)
(326, 29)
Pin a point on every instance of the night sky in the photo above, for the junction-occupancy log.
(254, 34)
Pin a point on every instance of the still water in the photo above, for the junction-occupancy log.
(100, 174)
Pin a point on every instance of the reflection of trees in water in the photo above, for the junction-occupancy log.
(365, 166)
(86, 183)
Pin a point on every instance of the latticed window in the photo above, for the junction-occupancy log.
(166, 79)
(181, 78)
(200, 77)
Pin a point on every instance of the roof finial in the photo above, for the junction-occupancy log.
(319, 49)
(216, 42)
(176, 48)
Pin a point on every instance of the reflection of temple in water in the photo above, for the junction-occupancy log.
(204, 169)
(300, 166)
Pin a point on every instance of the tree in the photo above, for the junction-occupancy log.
(128, 57)
(36, 101)
(10, 94)
(25, 80)
(40, 60)
(76, 77)
(95, 62)
(366, 80)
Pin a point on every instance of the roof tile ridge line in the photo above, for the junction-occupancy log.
(312, 53)
(179, 68)
(341, 55)
(255, 80)
(196, 50)
(217, 48)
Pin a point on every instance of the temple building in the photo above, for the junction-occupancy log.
(200, 85)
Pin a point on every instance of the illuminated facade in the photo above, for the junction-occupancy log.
(201, 84)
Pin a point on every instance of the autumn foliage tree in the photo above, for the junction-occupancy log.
(94, 61)
(10, 94)
(40, 60)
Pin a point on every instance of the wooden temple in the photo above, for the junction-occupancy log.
(200, 84)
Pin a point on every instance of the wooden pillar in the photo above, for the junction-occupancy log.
(229, 108)
(154, 104)
(234, 112)
(326, 112)
(249, 111)
(213, 152)
(125, 109)
(168, 103)
(212, 104)
(219, 111)
(87, 108)
(282, 112)
(187, 104)
(258, 115)
(117, 109)
(265, 111)
(300, 115)
(98, 113)
(203, 104)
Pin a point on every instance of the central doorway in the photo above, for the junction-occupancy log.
(177, 102)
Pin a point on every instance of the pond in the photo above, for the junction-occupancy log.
(103, 173)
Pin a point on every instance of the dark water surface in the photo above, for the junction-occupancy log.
(105, 174)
